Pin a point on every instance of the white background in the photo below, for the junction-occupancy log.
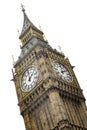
(64, 23)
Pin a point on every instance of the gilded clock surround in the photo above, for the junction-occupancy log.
(62, 71)
(52, 104)
(29, 78)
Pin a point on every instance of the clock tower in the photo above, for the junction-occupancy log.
(49, 95)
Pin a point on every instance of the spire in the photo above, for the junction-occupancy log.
(27, 23)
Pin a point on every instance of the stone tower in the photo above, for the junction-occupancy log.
(49, 95)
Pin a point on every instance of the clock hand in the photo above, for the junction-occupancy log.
(30, 77)
(62, 71)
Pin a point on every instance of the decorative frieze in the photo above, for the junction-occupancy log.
(32, 98)
(71, 92)
(77, 127)
(64, 124)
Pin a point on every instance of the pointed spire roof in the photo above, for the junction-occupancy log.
(27, 24)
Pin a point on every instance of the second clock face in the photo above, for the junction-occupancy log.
(62, 71)
(29, 78)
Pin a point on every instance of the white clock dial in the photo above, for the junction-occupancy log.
(29, 78)
(62, 72)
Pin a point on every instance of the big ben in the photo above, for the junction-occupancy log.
(49, 95)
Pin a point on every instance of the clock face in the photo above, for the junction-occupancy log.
(62, 72)
(29, 78)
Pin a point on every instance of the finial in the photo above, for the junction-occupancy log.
(40, 27)
(13, 59)
(22, 7)
(18, 31)
(60, 49)
(42, 31)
